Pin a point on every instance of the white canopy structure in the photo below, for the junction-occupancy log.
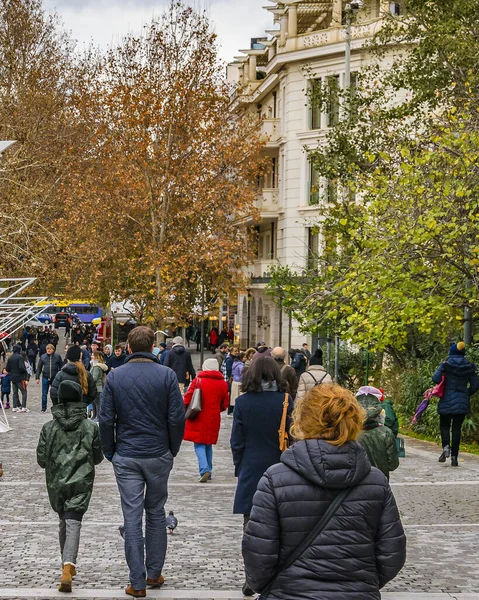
(15, 311)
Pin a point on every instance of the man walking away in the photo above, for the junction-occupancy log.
(179, 359)
(142, 421)
(48, 366)
(287, 372)
(18, 374)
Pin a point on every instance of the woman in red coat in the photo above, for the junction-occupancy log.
(204, 430)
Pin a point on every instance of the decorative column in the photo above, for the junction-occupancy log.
(252, 67)
(292, 20)
(283, 30)
(337, 13)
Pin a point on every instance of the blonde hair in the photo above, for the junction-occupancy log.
(82, 377)
(327, 412)
(97, 355)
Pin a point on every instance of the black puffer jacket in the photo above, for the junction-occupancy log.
(69, 373)
(363, 546)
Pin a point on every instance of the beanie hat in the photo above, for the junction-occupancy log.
(70, 391)
(317, 358)
(74, 353)
(458, 349)
(163, 345)
(369, 390)
(178, 340)
(211, 364)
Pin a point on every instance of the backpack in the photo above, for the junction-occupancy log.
(316, 382)
(28, 367)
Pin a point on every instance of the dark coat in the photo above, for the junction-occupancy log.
(114, 361)
(363, 546)
(179, 359)
(69, 373)
(214, 400)
(68, 450)
(6, 384)
(299, 364)
(255, 441)
(460, 383)
(16, 366)
(49, 365)
(142, 414)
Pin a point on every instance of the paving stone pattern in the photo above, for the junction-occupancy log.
(439, 506)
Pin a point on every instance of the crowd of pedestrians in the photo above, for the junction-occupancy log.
(312, 460)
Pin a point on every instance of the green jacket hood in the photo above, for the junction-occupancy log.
(69, 416)
(373, 409)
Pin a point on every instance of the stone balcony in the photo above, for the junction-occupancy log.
(260, 267)
(268, 202)
(271, 130)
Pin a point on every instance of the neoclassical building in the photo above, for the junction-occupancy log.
(272, 79)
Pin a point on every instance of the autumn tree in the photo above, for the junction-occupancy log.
(168, 173)
(36, 60)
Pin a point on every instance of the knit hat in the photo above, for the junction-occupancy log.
(178, 340)
(74, 353)
(70, 391)
(458, 349)
(163, 345)
(210, 364)
(369, 390)
(317, 358)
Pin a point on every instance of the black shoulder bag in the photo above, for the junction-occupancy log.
(307, 542)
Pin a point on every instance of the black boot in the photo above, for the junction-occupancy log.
(247, 591)
(454, 462)
(446, 453)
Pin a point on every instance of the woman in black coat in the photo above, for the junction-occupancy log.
(74, 370)
(254, 436)
(362, 547)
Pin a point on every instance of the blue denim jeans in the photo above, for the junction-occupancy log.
(143, 486)
(45, 388)
(204, 453)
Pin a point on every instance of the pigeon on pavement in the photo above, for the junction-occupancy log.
(171, 522)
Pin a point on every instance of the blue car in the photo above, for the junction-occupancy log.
(45, 318)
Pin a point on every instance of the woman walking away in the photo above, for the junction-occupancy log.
(204, 429)
(98, 370)
(326, 509)
(68, 450)
(237, 369)
(377, 439)
(75, 371)
(254, 438)
(313, 376)
(460, 383)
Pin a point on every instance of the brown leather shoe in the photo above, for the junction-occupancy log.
(156, 583)
(66, 581)
(135, 593)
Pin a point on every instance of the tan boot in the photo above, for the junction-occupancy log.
(66, 581)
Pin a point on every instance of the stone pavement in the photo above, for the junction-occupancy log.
(439, 507)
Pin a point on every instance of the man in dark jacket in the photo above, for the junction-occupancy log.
(48, 366)
(460, 383)
(117, 359)
(142, 420)
(18, 374)
(179, 359)
(288, 373)
(299, 362)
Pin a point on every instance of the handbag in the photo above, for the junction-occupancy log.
(283, 434)
(195, 406)
(306, 543)
(438, 390)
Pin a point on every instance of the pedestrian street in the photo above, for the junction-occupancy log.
(439, 507)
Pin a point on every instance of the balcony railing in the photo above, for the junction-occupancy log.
(268, 200)
(261, 267)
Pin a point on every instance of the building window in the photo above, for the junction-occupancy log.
(394, 9)
(316, 104)
(331, 191)
(312, 257)
(332, 107)
(314, 185)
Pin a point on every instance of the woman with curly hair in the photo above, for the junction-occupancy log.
(361, 545)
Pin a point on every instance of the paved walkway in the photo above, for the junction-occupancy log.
(439, 506)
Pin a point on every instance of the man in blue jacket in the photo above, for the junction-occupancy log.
(142, 420)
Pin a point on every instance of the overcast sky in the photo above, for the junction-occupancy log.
(106, 21)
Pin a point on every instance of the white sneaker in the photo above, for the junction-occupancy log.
(14, 409)
(25, 410)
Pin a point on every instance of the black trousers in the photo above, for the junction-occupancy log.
(445, 425)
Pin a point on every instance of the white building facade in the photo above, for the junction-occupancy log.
(274, 77)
